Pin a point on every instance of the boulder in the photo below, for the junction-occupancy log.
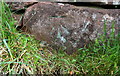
(68, 27)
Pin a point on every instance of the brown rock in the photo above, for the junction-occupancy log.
(66, 26)
(20, 5)
(18, 9)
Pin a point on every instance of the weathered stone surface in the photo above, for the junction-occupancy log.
(20, 5)
(18, 8)
(68, 27)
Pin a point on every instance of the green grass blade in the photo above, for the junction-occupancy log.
(9, 51)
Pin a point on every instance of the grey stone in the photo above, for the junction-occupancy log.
(68, 27)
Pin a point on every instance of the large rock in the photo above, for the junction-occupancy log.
(68, 27)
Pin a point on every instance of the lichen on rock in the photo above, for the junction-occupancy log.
(68, 26)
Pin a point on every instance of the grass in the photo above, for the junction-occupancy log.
(21, 53)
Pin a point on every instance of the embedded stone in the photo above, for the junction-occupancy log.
(68, 27)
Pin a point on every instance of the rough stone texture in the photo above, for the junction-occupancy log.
(18, 9)
(68, 27)
(20, 5)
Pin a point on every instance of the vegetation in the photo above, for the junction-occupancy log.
(20, 53)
